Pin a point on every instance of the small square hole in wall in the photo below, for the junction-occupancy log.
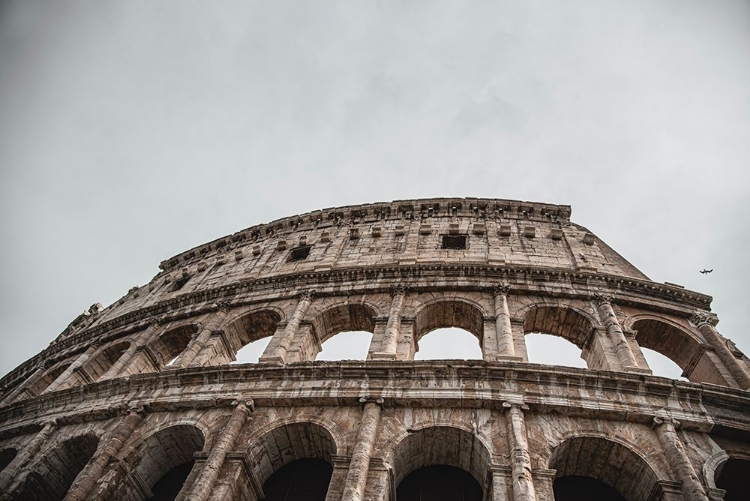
(299, 253)
(454, 241)
(179, 283)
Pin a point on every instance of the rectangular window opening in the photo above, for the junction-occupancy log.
(299, 253)
(454, 241)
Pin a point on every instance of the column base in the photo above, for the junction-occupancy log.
(637, 370)
(383, 356)
(507, 358)
(273, 359)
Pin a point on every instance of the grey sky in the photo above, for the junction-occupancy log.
(131, 131)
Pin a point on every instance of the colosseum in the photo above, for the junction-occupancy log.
(141, 399)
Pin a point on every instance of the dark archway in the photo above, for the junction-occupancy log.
(54, 473)
(100, 363)
(6, 456)
(249, 332)
(439, 483)
(449, 313)
(171, 344)
(162, 462)
(300, 480)
(734, 477)
(604, 462)
(579, 488)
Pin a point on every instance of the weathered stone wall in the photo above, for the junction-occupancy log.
(129, 392)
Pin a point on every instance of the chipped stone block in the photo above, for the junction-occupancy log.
(556, 234)
(529, 231)
(588, 239)
(504, 230)
(425, 229)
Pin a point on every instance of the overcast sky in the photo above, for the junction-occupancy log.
(131, 131)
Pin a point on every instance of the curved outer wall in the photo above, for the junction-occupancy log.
(128, 392)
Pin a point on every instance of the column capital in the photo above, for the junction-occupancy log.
(136, 408)
(601, 298)
(371, 400)
(519, 404)
(660, 420)
(399, 290)
(248, 405)
(701, 318)
(500, 290)
(306, 294)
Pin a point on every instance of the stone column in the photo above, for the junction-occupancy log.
(35, 376)
(225, 443)
(197, 344)
(692, 490)
(706, 325)
(125, 359)
(95, 468)
(614, 332)
(14, 475)
(523, 484)
(77, 363)
(389, 346)
(360, 464)
(505, 345)
(290, 331)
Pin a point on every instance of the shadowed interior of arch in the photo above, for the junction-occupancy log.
(349, 345)
(52, 474)
(439, 483)
(250, 334)
(734, 476)
(301, 480)
(449, 343)
(553, 350)
(6, 456)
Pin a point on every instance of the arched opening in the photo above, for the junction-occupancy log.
(47, 379)
(54, 473)
(661, 365)
(455, 319)
(609, 466)
(553, 350)
(300, 480)
(439, 483)
(352, 345)
(734, 477)
(446, 344)
(577, 488)
(288, 444)
(440, 446)
(163, 463)
(6, 456)
(250, 334)
(171, 344)
(102, 361)
(566, 323)
(680, 347)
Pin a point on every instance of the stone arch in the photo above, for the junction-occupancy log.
(441, 445)
(613, 462)
(449, 312)
(99, 363)
(171, 343)
(337, 318)
(679, 345)
(40, 384)
(249, 326)
(714, 465)
(53, 473)
(164, 449)
(282, 443)
(567, 321)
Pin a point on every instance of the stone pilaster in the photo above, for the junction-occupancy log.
(77, 363)
(692, 490)
(290, 331)
(503, 329)
(393, 328)
(225, 443)
(706, 324)
(123, 362)
(356, 478)
(523, 483)
(199, 342)
(14, 475)
(614, 332)
(95, 468)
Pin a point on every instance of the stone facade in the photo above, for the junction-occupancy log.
(130, 392)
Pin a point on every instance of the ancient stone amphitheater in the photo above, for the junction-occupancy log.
(140, 400)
